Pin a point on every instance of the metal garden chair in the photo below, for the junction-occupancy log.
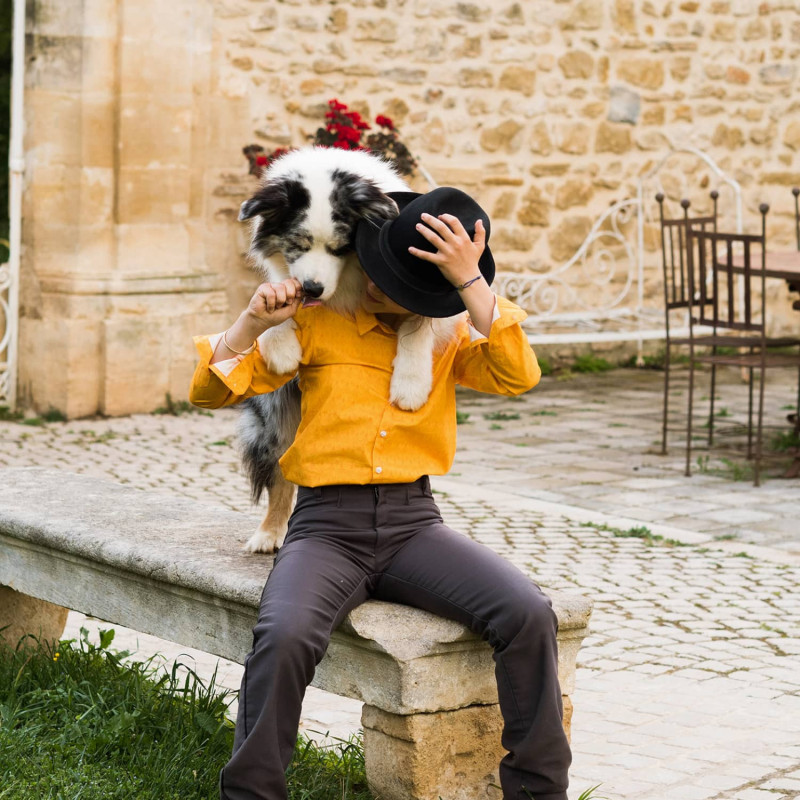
(676, 260)
(729, 289)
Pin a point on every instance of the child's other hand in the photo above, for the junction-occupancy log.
(274, 303)
(456, 254)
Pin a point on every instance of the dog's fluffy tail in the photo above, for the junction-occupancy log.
(265, 430)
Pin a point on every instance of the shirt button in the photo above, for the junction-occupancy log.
(383, 433)
(379, 470)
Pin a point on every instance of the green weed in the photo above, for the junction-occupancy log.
(638, 532)
(588, 362)
(732, 470)
(500, 415)
(785, 441)
(51, 415)
(176, 408)
(7, 415)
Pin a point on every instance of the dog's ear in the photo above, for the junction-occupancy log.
(354, 198)
(276, 203)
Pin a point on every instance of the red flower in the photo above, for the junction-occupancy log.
(384, 122)
(356, 119)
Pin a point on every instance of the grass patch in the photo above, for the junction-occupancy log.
(545, 365)
(544, 413)
(638, 532)
(52, 415)
(501, 415)
(7, 415)
(461, 417)
(785, 441)
(727, 468)
(79, 724)
(176, 409)
(588, 362)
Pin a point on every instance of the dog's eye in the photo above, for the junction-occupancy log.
(339, 251)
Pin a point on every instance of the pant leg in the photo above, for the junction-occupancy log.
(452, 576)
(311, 588)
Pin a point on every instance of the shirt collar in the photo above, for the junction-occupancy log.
(365, 322)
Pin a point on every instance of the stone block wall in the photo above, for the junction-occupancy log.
(547, 111)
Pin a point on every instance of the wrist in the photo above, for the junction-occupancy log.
(251, 324)
(241, 336)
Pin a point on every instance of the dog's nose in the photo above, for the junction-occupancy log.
(313, 288)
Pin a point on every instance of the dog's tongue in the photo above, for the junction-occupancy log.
(309, 302)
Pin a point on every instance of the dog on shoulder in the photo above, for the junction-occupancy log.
(303, 220)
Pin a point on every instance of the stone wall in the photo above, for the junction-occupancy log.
(546, 111)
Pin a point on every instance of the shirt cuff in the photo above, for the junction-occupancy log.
(474, 333)
(228, 365)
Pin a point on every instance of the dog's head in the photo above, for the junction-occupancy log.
(309, 220)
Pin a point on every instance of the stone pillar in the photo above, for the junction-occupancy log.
(453, 754)
(116, 278)
(21, 614)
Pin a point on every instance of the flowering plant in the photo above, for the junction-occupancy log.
(345, 130)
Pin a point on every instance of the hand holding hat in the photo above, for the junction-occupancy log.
(398, 254)
(457, 255)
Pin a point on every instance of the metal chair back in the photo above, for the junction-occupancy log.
(676, 256)
(731, 278)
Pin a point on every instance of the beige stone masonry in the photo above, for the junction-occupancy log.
(137, 112)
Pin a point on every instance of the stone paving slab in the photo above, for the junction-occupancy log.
(687, 686)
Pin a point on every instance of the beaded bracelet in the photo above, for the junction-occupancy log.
(469, 282)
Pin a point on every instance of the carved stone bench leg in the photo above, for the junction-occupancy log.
(450, 754)
(29, 615)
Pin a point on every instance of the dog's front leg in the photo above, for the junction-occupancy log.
(272, 531)
(280, 348)
(412, 368)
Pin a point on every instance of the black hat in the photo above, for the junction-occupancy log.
(415, 284)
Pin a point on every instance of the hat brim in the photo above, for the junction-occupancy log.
(436, 297)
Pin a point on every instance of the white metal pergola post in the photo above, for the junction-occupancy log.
(9, 273)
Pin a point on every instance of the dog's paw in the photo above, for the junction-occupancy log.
(265, 541)
(410, 390)
(280, 348)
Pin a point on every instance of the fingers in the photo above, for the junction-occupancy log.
(480, 237)
(425, 255)
(455, 226)
(273, 296)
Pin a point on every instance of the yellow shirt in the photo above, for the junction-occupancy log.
(349, 431)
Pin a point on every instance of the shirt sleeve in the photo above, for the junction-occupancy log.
(232, 380)
(503, 362)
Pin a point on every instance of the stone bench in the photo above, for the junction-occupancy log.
(173, 568)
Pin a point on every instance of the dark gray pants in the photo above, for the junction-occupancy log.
(349, 543)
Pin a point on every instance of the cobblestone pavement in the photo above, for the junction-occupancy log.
(688, 686)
